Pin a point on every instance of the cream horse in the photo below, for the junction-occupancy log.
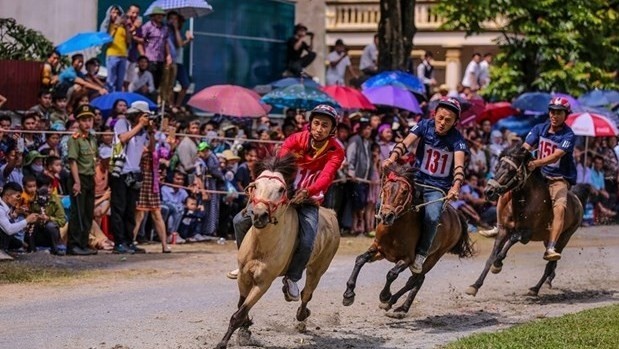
(267, 249)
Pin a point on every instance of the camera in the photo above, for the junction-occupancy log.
(42, 197)
(310, 34)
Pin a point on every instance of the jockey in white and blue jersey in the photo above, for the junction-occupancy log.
(440, 163)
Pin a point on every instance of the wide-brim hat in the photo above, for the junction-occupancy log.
(33, 155)
(157, 11)
(139, 107)
(229, 155)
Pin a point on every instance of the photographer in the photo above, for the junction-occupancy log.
(82, 155)
(11, 197)
(295, 47)
(126, 176)
(48, 205)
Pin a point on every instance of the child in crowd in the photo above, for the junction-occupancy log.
(47, 232)
(191, 221)
(53, 172)
(51, 145)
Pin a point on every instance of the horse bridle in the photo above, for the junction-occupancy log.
(398, 210)
(521, 176)
(272, 207)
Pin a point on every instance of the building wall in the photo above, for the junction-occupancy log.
(58, 20)
(312, 14)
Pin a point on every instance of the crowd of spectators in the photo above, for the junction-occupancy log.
(183, 177)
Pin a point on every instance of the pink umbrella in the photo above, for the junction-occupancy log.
(229, 100)
(591, 124)
(348, 98)
(471, 113)
(496, 111)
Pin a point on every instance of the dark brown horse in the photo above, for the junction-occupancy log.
(527, 214)
(397, 237)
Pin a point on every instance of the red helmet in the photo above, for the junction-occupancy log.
(560, 103)
(326, 110)
(450, 103)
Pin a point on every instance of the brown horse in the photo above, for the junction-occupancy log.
(268, 247)
(397, 237)
(527, 214)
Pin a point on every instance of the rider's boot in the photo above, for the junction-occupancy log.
(233, 274)
(291, 290)
(551, 254)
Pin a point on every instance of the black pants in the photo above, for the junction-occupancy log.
(9, 242)
(82, 212)
(296, 67)
(122, 205)
(156, 68)
(47, 235)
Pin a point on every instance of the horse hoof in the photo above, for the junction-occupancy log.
(384, 306)
(495, 269)
(395, 314)
(384, 298)
(532, 292)
(471, 291)
(221, 346)
(301, 327)
(244, 337)
(347, 301)
(303, 314)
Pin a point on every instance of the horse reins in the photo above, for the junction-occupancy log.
(271, 206)
(520, 170)
(400, 209)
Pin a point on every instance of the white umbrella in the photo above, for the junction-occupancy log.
(186, 8)
(591, 125)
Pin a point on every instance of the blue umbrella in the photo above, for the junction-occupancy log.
(534, 102)
(599, 98)
(106, 102)
(186, 8)
(285, 82)
(83, 41)
(298, 96)
(397, 79)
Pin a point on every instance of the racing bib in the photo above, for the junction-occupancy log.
(546, 148)
(436, 162)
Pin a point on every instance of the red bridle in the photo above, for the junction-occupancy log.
(392, 177)
(271, 206)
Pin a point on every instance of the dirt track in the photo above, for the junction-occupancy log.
(184, 300)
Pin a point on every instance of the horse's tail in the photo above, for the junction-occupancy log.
(464, 247)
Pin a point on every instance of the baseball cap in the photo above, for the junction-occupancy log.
(203, 146)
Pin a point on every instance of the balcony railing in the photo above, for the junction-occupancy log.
(364, 15)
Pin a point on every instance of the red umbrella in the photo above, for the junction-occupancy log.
(591, 124)
(229, 100)
(497, 111)
(472, 112)
(348, 98)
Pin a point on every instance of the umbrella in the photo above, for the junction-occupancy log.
(298, 96)
(106, 102)
(285, 82)
(398, 79)
(475, 108)
(229, 100)
(536, 102)
(83, 41)
(186, 8)
(394, 97)
(599, 98)
(591, 124)
(348, 98)
(496, 111)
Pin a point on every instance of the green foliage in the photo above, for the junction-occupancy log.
(546, 45)
(20, 43)
(596, 328)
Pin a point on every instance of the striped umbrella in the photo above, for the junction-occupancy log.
(591, 124)
(186, 8)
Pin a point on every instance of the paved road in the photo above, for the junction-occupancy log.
(183, 300)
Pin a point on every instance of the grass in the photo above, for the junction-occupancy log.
(13, 273)
(595, 328)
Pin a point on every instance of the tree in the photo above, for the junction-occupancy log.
(546, 45)
(396, 30)
(20, 43)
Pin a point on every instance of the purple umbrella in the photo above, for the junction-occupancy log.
(393, 97)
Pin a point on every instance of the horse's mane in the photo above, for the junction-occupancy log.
(518, 152)
(405, 171)
(286, 165)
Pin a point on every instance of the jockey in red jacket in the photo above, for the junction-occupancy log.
(319, 156)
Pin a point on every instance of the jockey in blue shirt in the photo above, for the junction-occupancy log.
(555, 144)
(440, 162)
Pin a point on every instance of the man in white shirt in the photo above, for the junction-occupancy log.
(143, 82)
(471, 74)
(484, 70)
(338, 62)
(369, 58)
(425, 73)
(11, 198)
